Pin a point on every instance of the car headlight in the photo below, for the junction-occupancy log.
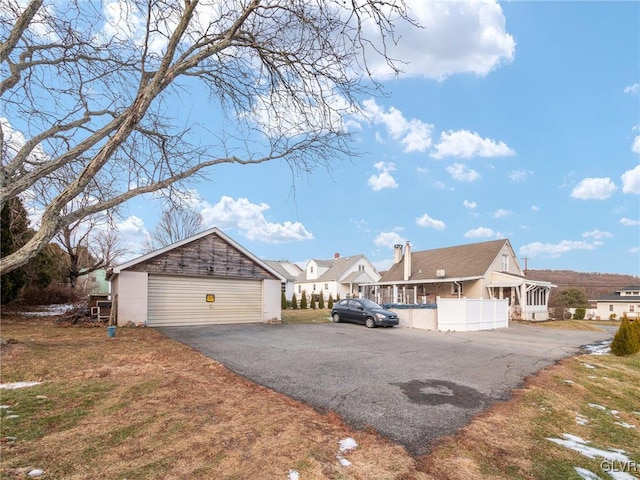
(380, 316)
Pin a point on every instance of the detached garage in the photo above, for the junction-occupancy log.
(205, 279)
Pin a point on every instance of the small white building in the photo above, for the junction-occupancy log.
(624, 301)
(205, 279)
(289, 271)
(343, 276)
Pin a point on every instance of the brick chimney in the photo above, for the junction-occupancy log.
(407, 261)
(336, 255)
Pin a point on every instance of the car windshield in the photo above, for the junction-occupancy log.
(369, 304)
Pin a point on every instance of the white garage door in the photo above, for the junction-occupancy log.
(183, 301)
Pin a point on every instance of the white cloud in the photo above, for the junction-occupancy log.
(517, 176)
(554, 250)
(633, 89)
(414, 135)
(249, 219)
(631, 181)
(384, 178)
(388, 239)
(635, 146)
(469, 205)
(634, 250)
(466, 144)
(132, 234)
(629, 222)
(535, 208)
(502, 213)
(462, 173)
(597, 234)
(426, 221)
(482, 232)
(457, 37)
(594, 189)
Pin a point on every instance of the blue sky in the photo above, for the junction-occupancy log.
(515, 120)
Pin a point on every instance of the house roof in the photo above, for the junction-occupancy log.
(215, 230)
(616, 297)
(462, 261)
(336, 270)
(279, 267)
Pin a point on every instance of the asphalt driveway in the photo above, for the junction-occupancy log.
(412, 386)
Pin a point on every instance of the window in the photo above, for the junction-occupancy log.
(283, 287)
(505, 263)
(632, 308)
(361, 268)
(314, 287)
(299, 289)
(326, 286)
(311, 269)
(456, 288)
(611, 308)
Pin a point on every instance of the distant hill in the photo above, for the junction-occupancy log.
(594, 284)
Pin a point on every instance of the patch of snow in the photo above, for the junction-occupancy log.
(599, 407)
(344, 462)
(51, 310)
(347, 444)
(600, 348)
(581, 419)
(586, 474)
(36, 472)
(568, 381)
(587, 365)
(625, 424)
(621, 475)
(13, 386)
(12, 416)
(4, 407)
(581, 446)
(293, 475)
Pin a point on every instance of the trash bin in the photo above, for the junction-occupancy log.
(111, 331)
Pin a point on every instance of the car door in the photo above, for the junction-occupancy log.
(356, 311)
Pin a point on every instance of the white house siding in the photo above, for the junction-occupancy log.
(605, 309)
(271, 300)
(177, 300)
(131, 302)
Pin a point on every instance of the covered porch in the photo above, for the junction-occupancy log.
(528, 299)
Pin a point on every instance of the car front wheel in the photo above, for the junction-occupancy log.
(370, 322)
(336, 318)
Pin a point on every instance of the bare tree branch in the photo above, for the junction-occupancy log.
(90, 91)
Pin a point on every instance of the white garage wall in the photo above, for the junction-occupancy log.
(132, 289)
(271, 300)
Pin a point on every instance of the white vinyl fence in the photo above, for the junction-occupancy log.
(469, 314)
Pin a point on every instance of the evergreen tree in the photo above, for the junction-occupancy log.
(625, 341)
(313, 301)
(321, 300)
(283, 301)
(294, 302)
(303, 300)
(14, 224)
(330, 303)
(337, 297)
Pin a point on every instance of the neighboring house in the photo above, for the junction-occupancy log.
(205, 279)
(486, 270)
(289, 272)
(342, 276)
(95, 282)
(622, 301)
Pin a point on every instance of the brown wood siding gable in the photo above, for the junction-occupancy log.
(209, 256)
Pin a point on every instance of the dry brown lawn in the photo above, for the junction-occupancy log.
(141, 406)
